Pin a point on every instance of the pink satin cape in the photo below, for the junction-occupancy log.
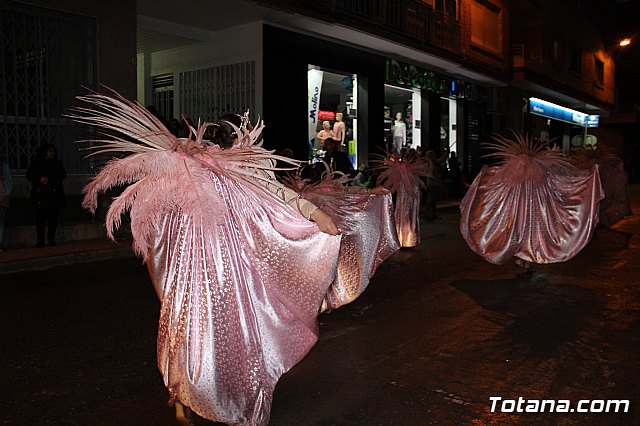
(403, 176)
(240, 273)
(368, 237)
(530, 210)
(407, 215)
(239, 303)
(363, 248)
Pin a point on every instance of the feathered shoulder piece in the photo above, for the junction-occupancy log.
(526, 147)
(319, 177)
(330, 193)
(395, 171)
(164, 171)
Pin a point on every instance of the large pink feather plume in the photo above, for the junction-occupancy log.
(165, 172)
(395, 171)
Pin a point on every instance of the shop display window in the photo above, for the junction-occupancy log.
(332, 112)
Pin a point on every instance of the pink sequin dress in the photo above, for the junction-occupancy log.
(534, 206)
(240, 274)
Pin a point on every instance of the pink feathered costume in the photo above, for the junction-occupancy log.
(240, 273)
(368, 232)
(403, 175)
(534, 206)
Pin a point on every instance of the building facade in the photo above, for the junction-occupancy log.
(424, 60)
(454, 70)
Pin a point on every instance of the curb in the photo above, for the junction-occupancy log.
(44, 263)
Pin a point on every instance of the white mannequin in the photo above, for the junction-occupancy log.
(399, 133)
(339, 129)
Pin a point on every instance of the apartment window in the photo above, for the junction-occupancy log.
(448, 7)
(599, 66)
(575, 60)
(486, 26)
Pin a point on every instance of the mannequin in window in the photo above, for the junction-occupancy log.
(323, 134)
(388, 124)
(399, 132)
(339, 130)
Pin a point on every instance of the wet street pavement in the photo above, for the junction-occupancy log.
(437, 333)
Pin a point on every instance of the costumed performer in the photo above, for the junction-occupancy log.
(403, 175)
(615, 181)
(240, 271)
(534, 206)
(365, 220)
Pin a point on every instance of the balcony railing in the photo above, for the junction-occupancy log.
(412, 21)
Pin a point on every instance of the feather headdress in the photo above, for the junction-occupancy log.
(506, 149)
(395, 171)
(526, 158)
(165, 171)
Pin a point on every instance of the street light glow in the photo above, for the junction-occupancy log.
(625, 42)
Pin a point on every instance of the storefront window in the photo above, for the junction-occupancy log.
(401, 118)
(448, 125)
(332, 112)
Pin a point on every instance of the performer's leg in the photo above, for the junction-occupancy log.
(184, 415)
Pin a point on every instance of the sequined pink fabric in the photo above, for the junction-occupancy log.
(530, 209)
(367, 229)
(407, 215)
(403, 176)
(239, 271)
(362, 249)
(239, 303)
(368, 238)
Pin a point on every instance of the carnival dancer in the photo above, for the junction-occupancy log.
(240, 270)
(365, 220)
(403, 175)
(534, 205)
(615, 182)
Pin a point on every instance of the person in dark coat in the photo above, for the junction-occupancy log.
(336, 159)
(46, 174)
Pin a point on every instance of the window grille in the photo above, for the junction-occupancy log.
(47, 57)
(163, 95)
(209, 93)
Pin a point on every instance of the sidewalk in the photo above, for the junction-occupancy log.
(86, 250)
(67, 253)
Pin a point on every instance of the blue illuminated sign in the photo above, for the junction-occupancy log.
(560, 113)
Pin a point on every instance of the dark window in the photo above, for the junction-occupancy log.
(575, 60)
(599, 65)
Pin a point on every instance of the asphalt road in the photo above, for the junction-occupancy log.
(437, 333)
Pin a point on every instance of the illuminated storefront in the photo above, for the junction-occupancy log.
(429, 103)
(563, 127)
(333, 101)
